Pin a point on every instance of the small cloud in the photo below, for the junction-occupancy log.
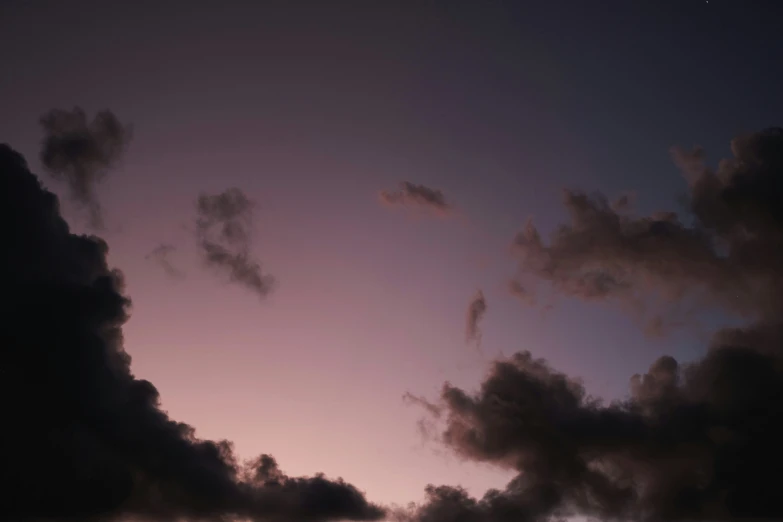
(421, 196)
(81, 153)
(224, 226)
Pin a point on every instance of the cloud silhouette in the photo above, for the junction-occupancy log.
(410, 194)
(695, 441)
(161, 255)
(477, 308)
(224, 225)
(82, 437)
(81, 152)
(690, 443)
(728, 258)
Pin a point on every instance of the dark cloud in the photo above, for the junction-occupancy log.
(695, 441)
(224, 225)
(477, 308)
(82, 437)
(81, 152)
(728, 256)
(420, 196)
(161, 255)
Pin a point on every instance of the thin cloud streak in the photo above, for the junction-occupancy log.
(417, 196)
(688, 443)
(477, 308)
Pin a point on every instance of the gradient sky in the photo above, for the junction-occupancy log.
(312, 109)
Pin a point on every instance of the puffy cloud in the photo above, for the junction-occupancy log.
(692, 442)
(728, 257)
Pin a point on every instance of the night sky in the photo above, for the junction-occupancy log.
(321, 215)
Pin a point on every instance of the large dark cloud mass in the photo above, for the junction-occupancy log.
(81, 152)
(224, 226)
(696, 441)
(81, 437)
(420, 196)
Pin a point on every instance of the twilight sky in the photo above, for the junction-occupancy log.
(312, 109)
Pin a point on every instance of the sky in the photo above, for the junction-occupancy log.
(312, 109)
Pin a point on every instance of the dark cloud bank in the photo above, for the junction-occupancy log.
(81, 152)
(224, 226)
(419, 196)
(81, 437)
(698, 441)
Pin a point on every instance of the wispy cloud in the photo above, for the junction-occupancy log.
(420, 196)
(224, 227)
(82, 152)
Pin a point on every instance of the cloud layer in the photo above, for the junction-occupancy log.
(224, 227)
(82, 437)
(696, 441)
(81, 152)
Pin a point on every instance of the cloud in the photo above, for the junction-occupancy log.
(82, 437)
(690, 443)
(419, 196)
(160, 255)
(81, 152)
(729, 257)
(477, 308)
(224, 225)
(432, 409)
(693, 441)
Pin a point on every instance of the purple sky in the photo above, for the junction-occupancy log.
(312, 111)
